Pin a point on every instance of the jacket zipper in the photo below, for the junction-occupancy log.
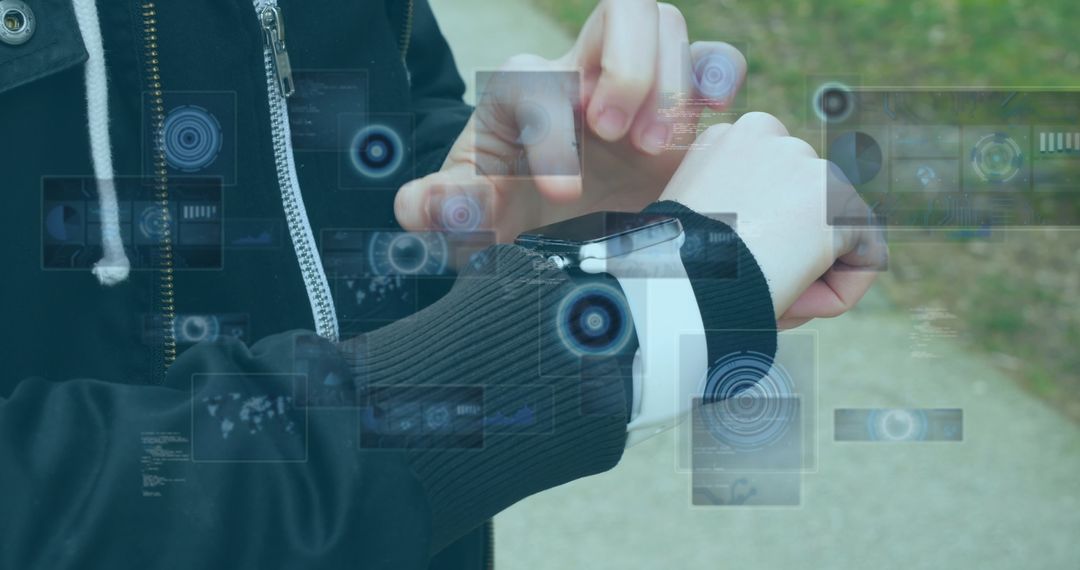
(166, 298)
(490, 551)
(406, 31)
(279, 86)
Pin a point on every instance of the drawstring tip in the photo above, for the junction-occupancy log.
(110, 272)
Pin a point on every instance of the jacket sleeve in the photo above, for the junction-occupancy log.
(218, 468)
(374, 453)
(267, 457)
(437, 91)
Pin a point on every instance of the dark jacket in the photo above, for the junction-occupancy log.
(122, 445)
(72, 327)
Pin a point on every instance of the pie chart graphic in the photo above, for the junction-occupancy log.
(64, 223)
(857, 155)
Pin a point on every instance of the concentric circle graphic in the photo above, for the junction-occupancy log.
(376, 151)
(462, 214)
(197, 328)
(191, 137)
(153, 223)
(833, 102)
(406, 253)
(749, 401)
(897, 425)
(593, 320)
(997, 158)
(715, 76)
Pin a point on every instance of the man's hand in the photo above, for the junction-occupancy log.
(518, 164)
(783, 197)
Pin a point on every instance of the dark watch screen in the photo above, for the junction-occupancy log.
(593, 227)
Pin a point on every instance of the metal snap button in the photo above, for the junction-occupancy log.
(16, 22)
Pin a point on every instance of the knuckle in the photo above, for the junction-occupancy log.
(799, 146)
(713, 133)
(626, 79)
(760, 121)
(524, 62)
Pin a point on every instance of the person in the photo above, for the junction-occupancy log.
(123, 446)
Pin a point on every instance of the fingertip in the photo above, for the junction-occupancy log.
(654, 138)
(608, 121)
(410, 206)
(718, 72)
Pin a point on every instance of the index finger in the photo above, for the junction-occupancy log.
(717, 73)
(620, 40)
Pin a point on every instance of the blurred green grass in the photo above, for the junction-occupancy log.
(1016, 299)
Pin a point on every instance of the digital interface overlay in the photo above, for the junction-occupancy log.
(956, 158)
(71, 222)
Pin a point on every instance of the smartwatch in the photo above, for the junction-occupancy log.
(641, 251)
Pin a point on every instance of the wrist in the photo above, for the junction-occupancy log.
(729, 285)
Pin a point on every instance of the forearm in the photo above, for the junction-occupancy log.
(96, 474)
(303, 477)
(497, 330)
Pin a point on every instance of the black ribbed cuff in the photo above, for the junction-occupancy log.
(732, 293)
(496, 332)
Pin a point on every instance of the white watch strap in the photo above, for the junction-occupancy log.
(667, 376)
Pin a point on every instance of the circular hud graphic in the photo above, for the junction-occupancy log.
(594, 320)
(462, 214)
(197, 328)
(833, 102)
(897, 425)
(749, 402)
(153, 223)
(715, 76)
(997, 158)
(404, 253)
(192, 138)
(376, 151)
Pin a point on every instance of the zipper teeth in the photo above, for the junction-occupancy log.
(406, 32)
(166, 293)
(296, 217)
(490, 544)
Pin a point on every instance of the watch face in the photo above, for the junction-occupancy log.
(591, 228)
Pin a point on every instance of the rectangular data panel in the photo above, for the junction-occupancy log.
(71, 222)
(957, 158)
(422, 416)
(321, 97)
(899, 424)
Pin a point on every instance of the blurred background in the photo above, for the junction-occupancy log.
(988, 326)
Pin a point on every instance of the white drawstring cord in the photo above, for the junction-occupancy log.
(114, 266)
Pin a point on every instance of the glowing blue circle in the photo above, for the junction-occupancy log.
(833, 102)
(376, 151)
(191, 137)
(897, 425)
(997, 158)
(406, 253)
(594, 320)
(196, 328)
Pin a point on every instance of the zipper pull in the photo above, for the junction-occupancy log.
(274, 33)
